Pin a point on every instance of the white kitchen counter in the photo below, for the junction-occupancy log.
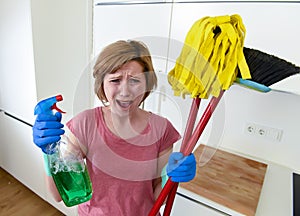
(276, 197)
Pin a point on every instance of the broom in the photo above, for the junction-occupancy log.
(208, 65)
(266, 69)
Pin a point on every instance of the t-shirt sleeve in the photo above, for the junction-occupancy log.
(82, 126)
(170, 137)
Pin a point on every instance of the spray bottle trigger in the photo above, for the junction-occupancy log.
(56, 108)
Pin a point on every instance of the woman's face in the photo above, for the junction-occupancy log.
(125, 88)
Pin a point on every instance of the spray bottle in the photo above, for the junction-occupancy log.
(65, 162)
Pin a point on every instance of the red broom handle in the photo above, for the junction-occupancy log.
(187, 134)
(202, 123)
(188, 131)
(189, 148)
(190, 122)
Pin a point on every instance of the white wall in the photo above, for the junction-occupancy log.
(278, 110)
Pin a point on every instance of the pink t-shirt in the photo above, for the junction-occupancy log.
(121, 171)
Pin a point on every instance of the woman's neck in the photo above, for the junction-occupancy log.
(126, 126)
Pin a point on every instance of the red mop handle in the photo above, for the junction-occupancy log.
(170, 199)
(188, 149)
(161, 198)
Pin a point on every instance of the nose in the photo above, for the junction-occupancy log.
(124, 89)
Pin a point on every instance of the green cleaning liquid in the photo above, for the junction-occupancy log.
(74, 186)
(69, 172)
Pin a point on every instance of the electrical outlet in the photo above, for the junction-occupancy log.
(263, 131)
(250, 129)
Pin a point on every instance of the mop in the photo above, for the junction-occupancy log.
(265, 70)
(209, 62)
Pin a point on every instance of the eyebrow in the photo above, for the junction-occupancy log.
(113, 75)
(135, 76)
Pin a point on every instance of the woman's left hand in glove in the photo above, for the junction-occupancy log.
(181, 168)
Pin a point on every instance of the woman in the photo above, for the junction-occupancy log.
(125, 146)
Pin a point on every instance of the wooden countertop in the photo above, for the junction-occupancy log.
(228, 179)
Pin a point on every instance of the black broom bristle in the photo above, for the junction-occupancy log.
(268, 69)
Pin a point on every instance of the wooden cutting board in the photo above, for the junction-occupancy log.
(228, 179)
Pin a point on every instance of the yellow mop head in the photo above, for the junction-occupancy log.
(210, 58)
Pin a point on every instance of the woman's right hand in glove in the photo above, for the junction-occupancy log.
(47, 129)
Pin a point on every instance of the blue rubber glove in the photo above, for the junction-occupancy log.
(47, 129)
(181, 168)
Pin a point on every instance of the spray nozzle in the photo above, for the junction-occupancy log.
(47, 105)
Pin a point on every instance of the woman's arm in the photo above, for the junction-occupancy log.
(52, 188)
(162, 161)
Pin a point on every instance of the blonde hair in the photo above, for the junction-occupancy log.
(117, 54)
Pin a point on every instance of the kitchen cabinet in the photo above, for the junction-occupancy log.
(17, 83)
(186, 206)
(62, 43)
(22, 159)
(41, 55)
(126, 2)
(17, 96)
(19, 155)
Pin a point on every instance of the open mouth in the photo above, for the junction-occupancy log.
(124, 104)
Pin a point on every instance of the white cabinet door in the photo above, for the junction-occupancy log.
(62, 48)
(19, 156)
(183, 206)
(149, 23)
(17, 83)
